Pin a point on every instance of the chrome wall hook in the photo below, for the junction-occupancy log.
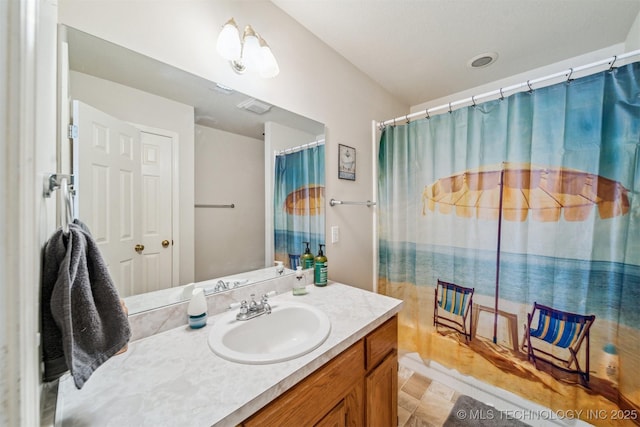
(54, 182)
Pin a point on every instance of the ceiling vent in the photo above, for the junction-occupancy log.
(223, 89)
(255, 106)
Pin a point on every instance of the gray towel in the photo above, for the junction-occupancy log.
(83, 323)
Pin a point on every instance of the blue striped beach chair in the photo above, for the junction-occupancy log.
(452, 307)
(562, 330)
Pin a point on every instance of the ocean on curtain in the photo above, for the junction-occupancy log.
(298, 202)
(527, 199)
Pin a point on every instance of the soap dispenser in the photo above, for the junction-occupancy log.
(320, 269)
(197, 309)
(306, 260)
(279, 267)
(299, 288)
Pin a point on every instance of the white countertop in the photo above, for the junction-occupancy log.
(173, 378)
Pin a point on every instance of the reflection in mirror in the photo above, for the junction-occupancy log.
(192, 201)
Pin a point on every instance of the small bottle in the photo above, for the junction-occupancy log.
(279, 267)
(197, 309)
(306, 260)
(299, 287)
(320, 269)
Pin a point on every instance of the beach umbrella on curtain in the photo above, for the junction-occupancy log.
(514, 192)
(306, 200)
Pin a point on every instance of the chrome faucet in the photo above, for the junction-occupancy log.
(253, 308)
(220, 286)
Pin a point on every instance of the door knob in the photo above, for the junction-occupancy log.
(139, 248)
(165, 243)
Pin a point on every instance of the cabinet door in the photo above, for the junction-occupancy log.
(382, 394)
(337, 417)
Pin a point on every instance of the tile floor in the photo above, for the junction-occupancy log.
(422, 402)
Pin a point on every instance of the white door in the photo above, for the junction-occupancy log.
(116, 176)
(155, 214)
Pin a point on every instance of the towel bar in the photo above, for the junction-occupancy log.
(368, 203)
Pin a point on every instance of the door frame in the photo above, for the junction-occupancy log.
(175, 203)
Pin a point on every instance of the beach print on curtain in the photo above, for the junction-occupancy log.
(528, 199)
(298, 202)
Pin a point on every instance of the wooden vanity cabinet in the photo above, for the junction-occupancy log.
(359, 387)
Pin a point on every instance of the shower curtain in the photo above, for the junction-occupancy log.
(298, 202)
(566, 234)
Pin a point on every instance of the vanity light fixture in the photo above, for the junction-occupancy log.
(250, 51)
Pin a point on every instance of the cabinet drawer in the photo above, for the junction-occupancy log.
(381, 342)
(314, 397)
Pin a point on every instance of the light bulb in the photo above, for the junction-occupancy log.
(268, 64)
(251, 54)
(228, 44)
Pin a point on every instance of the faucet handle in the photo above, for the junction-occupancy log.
(244, 307)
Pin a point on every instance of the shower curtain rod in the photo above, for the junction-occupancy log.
(300, 147)
(513, 88)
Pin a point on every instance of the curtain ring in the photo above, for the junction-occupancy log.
(615, 58)
(449, 108)
(569, 79)
(407, 119)
(428, 116)
(530, 88)
(394, 122)
(381, 126)
(501, 95)
(473, 100)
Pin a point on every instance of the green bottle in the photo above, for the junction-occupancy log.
(320, 269)
(306, 260)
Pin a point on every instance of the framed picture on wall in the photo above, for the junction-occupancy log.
(346, 162)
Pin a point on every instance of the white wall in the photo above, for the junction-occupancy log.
(633, 38)
(27, 219)
(229, 168)
(314, 81)
(142, 108)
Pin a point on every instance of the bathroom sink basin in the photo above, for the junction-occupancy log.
(291, 330)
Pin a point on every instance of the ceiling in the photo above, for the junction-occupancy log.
(418, 50)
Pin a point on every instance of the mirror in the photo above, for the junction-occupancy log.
(218, 145)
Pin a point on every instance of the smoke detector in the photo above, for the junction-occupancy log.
(255, 106)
